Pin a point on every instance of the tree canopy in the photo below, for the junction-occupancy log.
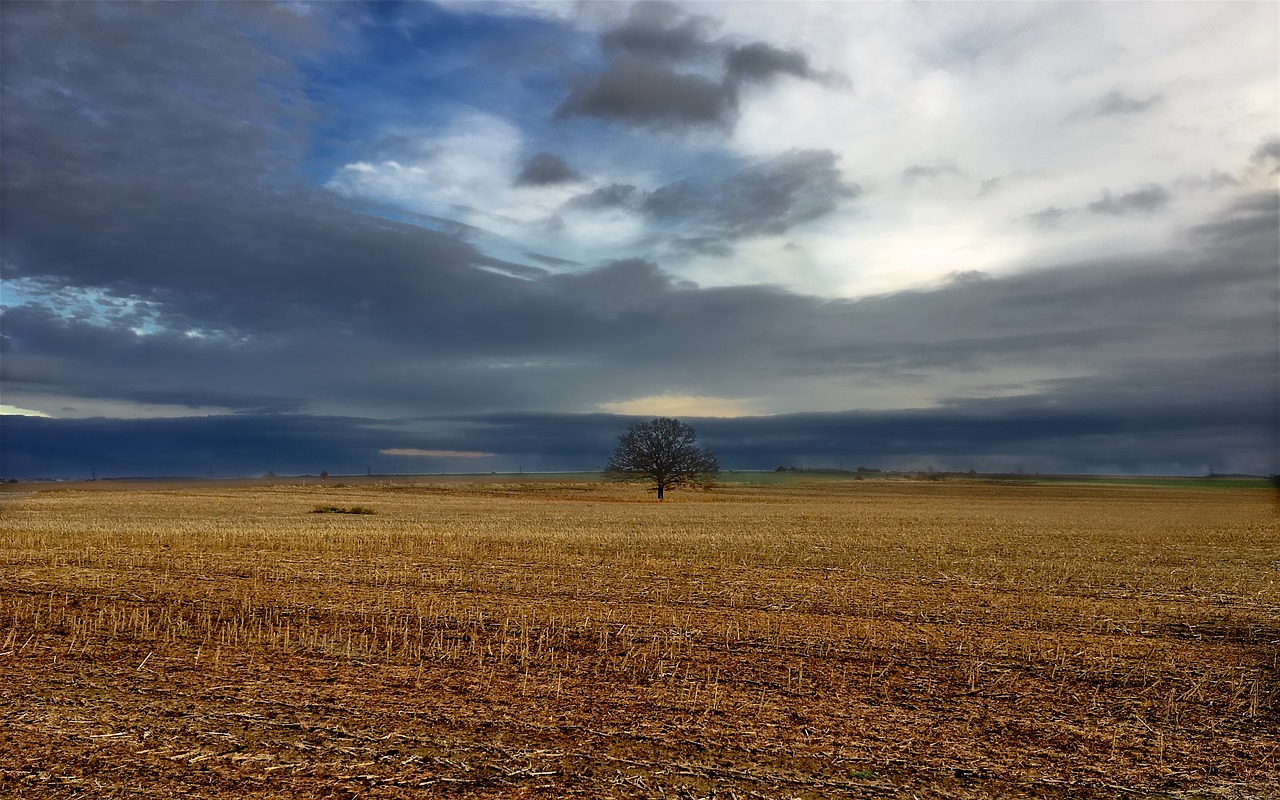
(662, 452)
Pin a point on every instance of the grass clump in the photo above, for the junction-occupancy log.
(342, 510)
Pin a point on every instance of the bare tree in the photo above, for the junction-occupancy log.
(661, 452)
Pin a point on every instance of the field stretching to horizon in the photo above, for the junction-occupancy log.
(791, 637)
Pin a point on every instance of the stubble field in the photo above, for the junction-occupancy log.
(576, 639)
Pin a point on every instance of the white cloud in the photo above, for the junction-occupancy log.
(467, 173)
(996, 90)
(982, 92)
(420, 453)
(32, 404)
(15, 411)
(468, 165)
(678, 405)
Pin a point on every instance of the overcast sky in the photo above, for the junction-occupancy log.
(470, 236)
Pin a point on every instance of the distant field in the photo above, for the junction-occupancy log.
(552, 636)
(1173, 482)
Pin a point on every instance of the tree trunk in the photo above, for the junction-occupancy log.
(660, 487)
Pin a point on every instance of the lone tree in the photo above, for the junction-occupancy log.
(661, 452)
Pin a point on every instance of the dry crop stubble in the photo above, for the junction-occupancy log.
(550, 639)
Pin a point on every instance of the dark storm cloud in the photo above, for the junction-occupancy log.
(1143, 200)
(626, 330)
(992, 435)
(617, 195)
(133, 179)
(765, 198)
(714, 246)
(1246, 232)
(632, 289)
(760, 62)
(158, 198)
(546, 169)
(1137, 411)
(785, 191)
(240, 445)
(81, 359)
(96, 85)
(659, 29)
(552, 261)
(642, 86)
(1101, 433)
(639, 91)
(152, 215)
(673, 201)
(1267, 149)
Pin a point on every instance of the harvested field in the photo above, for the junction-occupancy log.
(574, 639)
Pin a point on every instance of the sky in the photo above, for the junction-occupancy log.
(474, 236)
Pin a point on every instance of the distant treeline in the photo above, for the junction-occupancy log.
(832, 470)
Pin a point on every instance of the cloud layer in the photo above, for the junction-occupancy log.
(230, 228)
(666, 71)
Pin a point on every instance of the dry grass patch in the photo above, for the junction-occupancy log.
(538, 639)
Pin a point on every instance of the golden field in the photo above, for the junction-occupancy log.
(555, 638)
